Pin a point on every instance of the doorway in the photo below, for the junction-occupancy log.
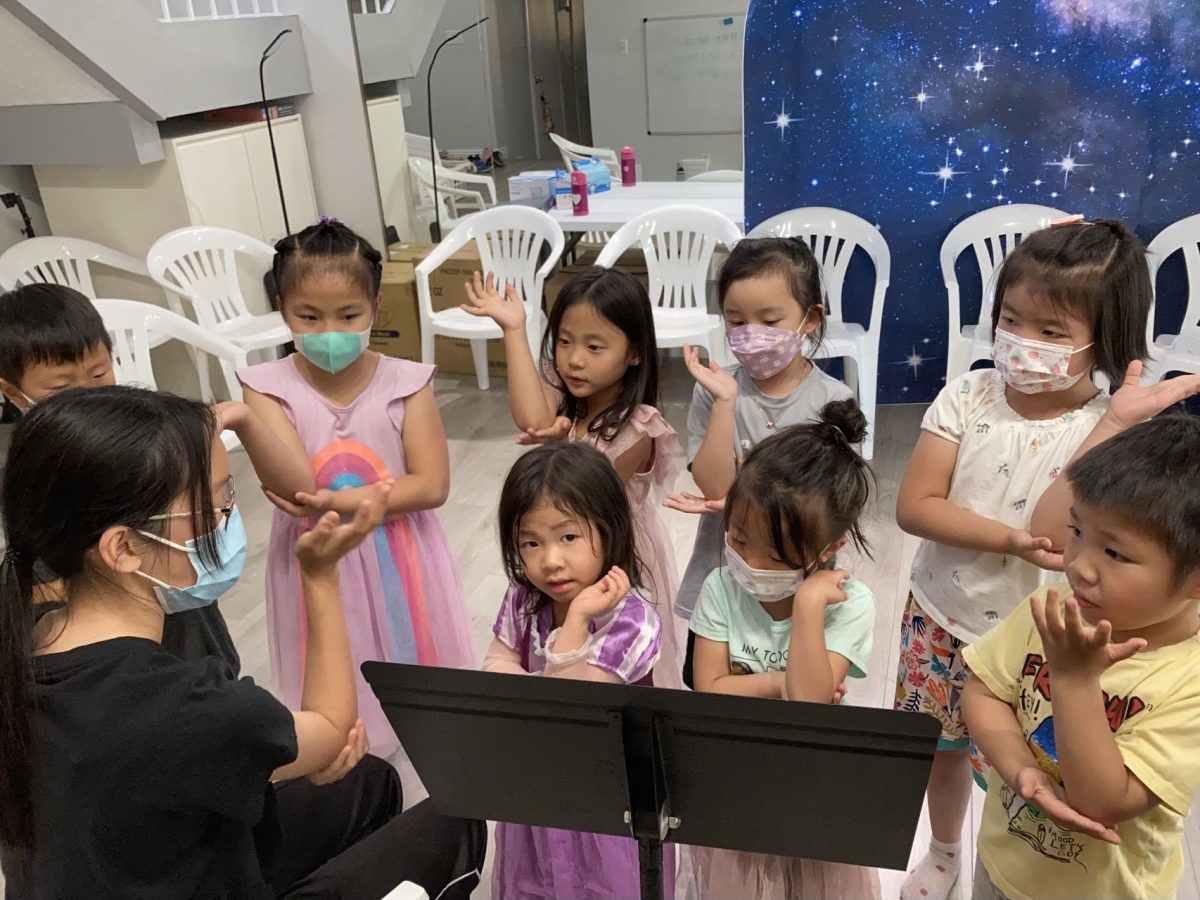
(558, 76)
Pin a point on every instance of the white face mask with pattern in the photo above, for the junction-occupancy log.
(764, 584)
(1034, 367)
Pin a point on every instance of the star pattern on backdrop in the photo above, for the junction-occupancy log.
(916, 114)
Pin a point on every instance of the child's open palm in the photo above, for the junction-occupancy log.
(1041, 791)
(485, 301)
(1074, 648)
(712, 378)
(1136, 402)
(602, 597)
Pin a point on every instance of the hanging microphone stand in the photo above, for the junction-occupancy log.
(287, 228)
(435, 228)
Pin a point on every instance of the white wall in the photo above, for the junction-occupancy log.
(618, 86)
(335, 119)
(20, 179)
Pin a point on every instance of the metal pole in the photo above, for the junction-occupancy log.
(262, 86)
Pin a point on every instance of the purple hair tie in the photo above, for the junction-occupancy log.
(328, 220)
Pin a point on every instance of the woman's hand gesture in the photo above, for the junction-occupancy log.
(484, 301)
(320, 548)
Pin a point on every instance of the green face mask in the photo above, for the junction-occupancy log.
(332, 350)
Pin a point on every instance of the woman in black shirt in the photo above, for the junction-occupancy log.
(127, 772)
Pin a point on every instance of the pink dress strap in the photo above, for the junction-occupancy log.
(649, 422)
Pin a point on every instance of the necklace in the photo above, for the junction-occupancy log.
(767, 416)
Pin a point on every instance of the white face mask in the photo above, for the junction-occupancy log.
(763, 584)
(1034, 367)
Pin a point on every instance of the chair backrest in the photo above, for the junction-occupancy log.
(992, 233)
(572, 152)
(729, 175)
(61, 260)
(678, 242)
(199, 264)
(510, 241)
(423, 181)
(832, 235)
(131, 324)
(1180, 237)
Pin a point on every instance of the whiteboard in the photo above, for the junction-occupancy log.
(694, 74)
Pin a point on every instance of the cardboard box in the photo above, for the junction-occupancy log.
(397, 329)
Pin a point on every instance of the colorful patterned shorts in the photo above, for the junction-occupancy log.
(931, 678)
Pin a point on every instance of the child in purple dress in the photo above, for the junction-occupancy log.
(357, 418)
(598, 383)
(567, 537)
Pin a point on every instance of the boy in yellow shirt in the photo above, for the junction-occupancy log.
(1086, 700)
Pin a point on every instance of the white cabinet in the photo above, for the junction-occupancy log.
(216, 176)
(386, 118)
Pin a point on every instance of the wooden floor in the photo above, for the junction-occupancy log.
(482, 447)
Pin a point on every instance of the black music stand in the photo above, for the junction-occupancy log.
(824, 782)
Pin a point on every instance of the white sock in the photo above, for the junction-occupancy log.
(934, 876)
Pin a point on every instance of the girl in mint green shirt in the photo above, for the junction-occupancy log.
(779, 621)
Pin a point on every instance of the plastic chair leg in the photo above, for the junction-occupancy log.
(479, 355)
(203, 372)
(427, 343)
(867, 389)
(958, 357)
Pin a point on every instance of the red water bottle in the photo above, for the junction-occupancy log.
(628, 167)
(579, 191)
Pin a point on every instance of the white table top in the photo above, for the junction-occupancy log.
(609, 210)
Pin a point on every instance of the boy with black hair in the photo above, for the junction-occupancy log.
(1086, 700)
(51, 339)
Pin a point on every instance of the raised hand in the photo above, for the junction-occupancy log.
(484, 300)
(693, 503)
(320, 548)
(602, 597)
(1040, 791)
(720, 384)
(357, 746)
(1038, 551)
(559, 430)
(1135, 402)
(1073, 647)
(823, 588)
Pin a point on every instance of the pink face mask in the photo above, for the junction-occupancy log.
(1034, 367)
(764, 351)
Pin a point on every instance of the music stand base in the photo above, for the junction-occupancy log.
(650, 866)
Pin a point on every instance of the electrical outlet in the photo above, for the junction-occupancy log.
(623, 46)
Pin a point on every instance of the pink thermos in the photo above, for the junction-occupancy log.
(628, 167)
(579, 191)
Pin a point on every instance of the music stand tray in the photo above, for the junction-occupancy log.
(837, 783)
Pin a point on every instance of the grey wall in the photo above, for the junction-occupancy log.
(618, 86)
(462, 94)
(335, 118)
(392, 46)
(77, 134)
(32, 71)
(167, 69)
(510, 78)
(20, 179)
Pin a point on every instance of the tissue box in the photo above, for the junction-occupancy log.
(534, 189)
(598, 176)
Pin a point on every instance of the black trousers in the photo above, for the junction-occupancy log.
(350, 840)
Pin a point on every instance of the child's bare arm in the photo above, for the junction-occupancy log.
(922, 509)
(712, 674)
(813, 673)
(274, 447)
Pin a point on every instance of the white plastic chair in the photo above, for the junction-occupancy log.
(418, 147)
(130, 324)
(62, 260)
(199, 265)
(1176, 352)
(725, 175)
(457, 203)
(992, 233)
(833, 235)
(572, 153)
(509, 240)
(678, 242)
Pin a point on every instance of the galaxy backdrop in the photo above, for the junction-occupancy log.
(916, 113)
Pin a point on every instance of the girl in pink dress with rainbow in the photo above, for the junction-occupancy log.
(360, 418)
(598, 382)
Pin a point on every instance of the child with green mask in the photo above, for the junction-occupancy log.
(357, 417)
